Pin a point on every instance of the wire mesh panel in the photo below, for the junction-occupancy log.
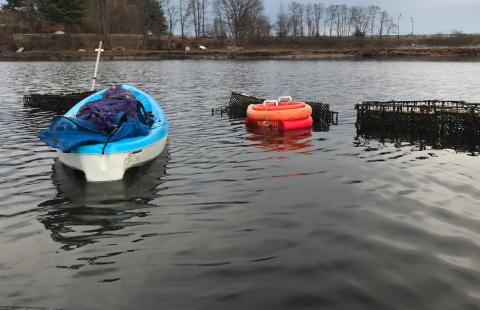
(238, 104)
(54, 102)
(427, 117)
(321, 112)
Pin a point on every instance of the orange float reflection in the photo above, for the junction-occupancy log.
(280, 141)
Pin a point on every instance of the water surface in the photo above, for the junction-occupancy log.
(232, 219)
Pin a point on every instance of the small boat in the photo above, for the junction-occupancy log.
(282, 114)
(108, 161)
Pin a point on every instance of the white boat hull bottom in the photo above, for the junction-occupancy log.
(111, 167)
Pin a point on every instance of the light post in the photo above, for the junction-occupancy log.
(398, 25)
(413, 23)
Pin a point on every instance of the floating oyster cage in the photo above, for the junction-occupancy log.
(60, 102)
(239, 102)
(431, 118)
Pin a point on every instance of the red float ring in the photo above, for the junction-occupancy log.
(279, 114)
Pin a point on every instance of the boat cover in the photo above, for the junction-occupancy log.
(118, 115)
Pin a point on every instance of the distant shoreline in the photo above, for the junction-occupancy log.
(401, 53)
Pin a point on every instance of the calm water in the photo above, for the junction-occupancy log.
(230, 219)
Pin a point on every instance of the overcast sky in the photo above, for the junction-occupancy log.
(430, 16)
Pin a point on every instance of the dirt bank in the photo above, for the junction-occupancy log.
(433, 53)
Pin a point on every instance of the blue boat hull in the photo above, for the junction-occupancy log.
(120, 155)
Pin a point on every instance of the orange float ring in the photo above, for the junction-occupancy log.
(270, 106)
(286, 112)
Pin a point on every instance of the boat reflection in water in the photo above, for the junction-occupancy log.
(83, 212)
(273, 140)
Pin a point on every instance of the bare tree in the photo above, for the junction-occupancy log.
(257, 24)
(338, 20)
(310, 19)
(384, 16)
(317, 12)
(204, 5)
(199, 9)
(220, 22)
(387, 24)
(263, 28)
(172, 15)
(282, 22)
(296, 18)
(360, 19)
(351, 20)
(373, 11)
(184, 13)
(98, 18)
(391, 27)
(105, 8)
(330, 18)
(344, 19)
(301, 14)
(194, 7)
(239, 15)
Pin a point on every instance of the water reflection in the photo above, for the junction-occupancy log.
(83, 212)
(272, 140)
(320, 125)
(422, 141)
(338, 238)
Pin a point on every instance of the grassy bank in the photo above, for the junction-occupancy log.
(433, 53)
(132, 47)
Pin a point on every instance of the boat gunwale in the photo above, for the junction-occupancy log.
(160, 128)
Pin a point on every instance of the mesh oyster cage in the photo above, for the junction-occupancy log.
(239, 102)
(430, 118)
(54, 102)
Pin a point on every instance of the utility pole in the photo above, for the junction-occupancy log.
(413, 23)
(398, 24)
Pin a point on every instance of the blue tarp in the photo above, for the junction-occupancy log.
(118, 115)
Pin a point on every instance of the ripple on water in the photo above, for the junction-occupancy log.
(234, 218)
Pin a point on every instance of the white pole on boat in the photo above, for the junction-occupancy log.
(99, 50)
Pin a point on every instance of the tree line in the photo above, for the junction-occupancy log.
(246, 19)
(86, 16)
(240, 19)
(317, 19)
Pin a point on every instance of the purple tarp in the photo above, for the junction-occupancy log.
(117, 105)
